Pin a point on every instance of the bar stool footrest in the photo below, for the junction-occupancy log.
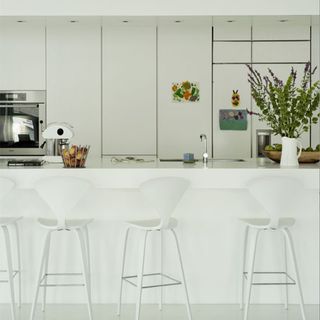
(47, 275)
(14, 273)
(289, 279)
(169, 280)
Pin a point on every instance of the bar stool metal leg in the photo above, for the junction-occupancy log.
(295, 269)
(9, 269)
(86, 234)
(45, 250)
(85, 269)
(286, 271)
(122, 269)
(45, 272)
(16, 229)
(183, 275)
(252, 255)
(140, 275)
(161, 270)
(243, 265)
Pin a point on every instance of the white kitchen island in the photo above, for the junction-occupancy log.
(210, 234)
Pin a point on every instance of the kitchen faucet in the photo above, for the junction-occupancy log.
(205, 156)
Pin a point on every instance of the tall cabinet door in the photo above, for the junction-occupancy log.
(22, 54)
(74, 78)
(230, 74)
(129, 90)
(184, 54)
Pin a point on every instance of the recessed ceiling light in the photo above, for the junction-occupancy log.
(74, 21)
(177, 21)
(21, 21)
(125, 21)
(230, 21)
(283, 20)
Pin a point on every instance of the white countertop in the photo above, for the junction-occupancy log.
(155, 163)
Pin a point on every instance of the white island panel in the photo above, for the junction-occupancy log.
(208, 228)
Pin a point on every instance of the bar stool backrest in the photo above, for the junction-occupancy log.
(62, 194)
(277, 195)
(163, 194)
(6, 185)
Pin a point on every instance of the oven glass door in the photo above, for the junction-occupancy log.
(19, 126)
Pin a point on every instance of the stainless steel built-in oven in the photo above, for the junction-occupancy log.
(22, 120)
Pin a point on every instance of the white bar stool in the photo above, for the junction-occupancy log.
(62, 194)
(163, 194)
(7, 223)
(276, 195)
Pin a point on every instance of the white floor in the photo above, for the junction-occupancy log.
(169, 312)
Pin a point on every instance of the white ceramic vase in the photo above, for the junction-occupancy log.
(289, 154)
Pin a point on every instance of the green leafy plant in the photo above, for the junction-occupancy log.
(288, 109)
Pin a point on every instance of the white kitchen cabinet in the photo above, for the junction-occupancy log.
(229, 52)
(279, 56)
(281, 28)
(232, 29)
(184, 53)
(281, 52)
(74, 78)
(231, 75)
(22, 54)
(129, 89)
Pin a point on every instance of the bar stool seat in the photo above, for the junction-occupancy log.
(6, 221)
(70, 223)
(264, 223)
(152, 224)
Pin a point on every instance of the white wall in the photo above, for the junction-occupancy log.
(129, 89)
(184, 53)
(158, 7)
(74, 79)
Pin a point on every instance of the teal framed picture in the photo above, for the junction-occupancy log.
(231, 119)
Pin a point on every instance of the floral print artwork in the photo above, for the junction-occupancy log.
(185, 91)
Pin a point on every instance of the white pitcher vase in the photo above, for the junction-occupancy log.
(289, 154)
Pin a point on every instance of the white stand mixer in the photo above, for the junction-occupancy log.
(57, 135)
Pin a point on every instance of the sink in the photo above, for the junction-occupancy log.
(173, 160)
(227, 160)
(211, 159)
